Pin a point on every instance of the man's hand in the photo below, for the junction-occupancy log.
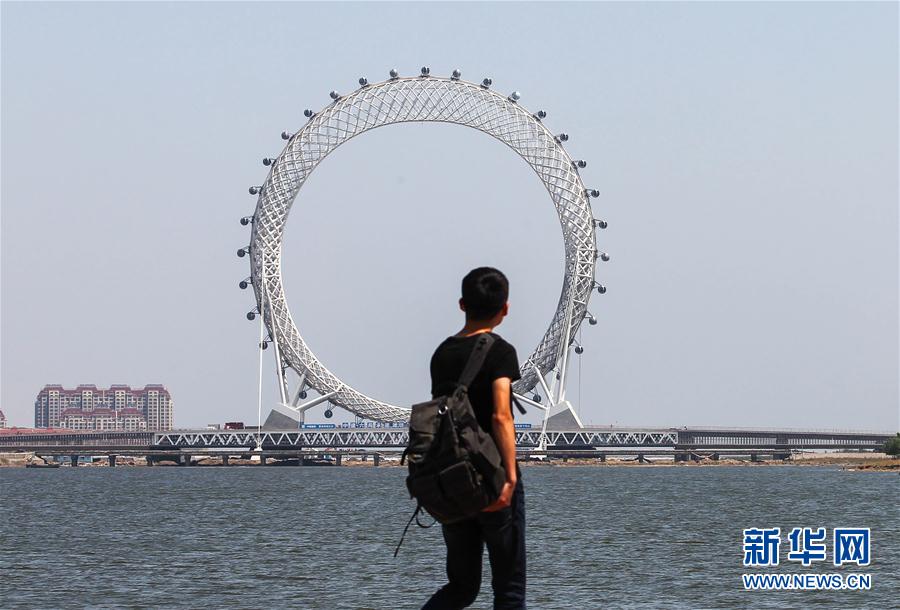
(504, 500)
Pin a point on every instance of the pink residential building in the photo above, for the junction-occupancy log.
(118, 407)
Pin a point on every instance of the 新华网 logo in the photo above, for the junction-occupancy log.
(807, 546)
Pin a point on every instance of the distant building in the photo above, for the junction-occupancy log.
(2, 420)
(117, 408)
(130, 420)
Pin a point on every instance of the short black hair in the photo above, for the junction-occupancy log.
(485, 291)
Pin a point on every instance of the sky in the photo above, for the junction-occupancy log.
(746, 155)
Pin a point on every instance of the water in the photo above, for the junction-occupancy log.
(614, 537)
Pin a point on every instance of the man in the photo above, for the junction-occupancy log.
(501, 526)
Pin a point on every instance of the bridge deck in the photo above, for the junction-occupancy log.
(684, 439)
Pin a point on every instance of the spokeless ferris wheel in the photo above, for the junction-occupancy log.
(423, 98)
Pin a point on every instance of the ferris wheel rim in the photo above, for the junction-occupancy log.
(308, 147)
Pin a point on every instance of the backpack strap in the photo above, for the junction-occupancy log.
(476, 359)
(406, 529)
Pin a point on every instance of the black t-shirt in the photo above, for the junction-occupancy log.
(450, 358)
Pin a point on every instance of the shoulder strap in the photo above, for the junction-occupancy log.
(476, 359)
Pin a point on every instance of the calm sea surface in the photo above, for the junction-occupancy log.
(289, 537)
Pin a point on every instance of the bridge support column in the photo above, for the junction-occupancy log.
(337, 460)
(754, 457)
(376, 459)
(150, 460)
(681, 457)
(73, 460)
(112, 460)
(603, 457)
(224, 460)
(185, 460)
(262, 460)
(781, 455)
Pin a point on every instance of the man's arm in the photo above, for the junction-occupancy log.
(505, 435)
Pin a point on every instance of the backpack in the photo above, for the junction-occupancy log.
(455, 468)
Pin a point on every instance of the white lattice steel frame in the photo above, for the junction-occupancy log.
(336, 438)
(420, 99)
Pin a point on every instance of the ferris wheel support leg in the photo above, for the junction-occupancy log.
(288, 417)
(309, 404)
(561, 402)
(556, 395)
(530, 402)
(543, 382)
(300, 385)
(563, 369)
(563, 365)
(542, 442)
(280, 366)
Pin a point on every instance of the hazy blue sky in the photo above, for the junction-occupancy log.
(747, 156)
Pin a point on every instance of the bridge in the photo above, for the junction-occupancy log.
(591, 442)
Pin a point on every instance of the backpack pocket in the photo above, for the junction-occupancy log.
(425, 489)
(486, 460)
(462, 486)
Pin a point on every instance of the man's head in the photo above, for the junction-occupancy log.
(485, 291)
